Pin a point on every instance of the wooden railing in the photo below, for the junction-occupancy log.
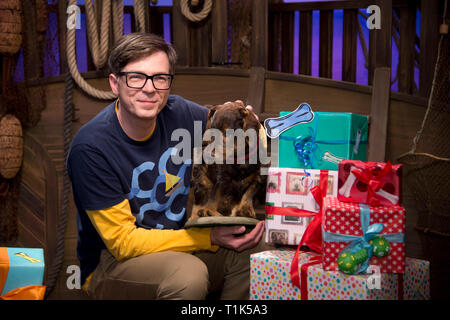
(398, 17)
(206, 44)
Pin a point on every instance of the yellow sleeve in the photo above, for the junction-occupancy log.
(116, 226)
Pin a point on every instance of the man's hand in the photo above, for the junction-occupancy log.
(229, 237)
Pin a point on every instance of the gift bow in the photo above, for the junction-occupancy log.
(371, 176)
(359, 242)
(306, 146)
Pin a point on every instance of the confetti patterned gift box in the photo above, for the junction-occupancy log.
(346, 220)
(270, 280)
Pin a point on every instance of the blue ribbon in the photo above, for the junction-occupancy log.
(307, 146)
(359, 242)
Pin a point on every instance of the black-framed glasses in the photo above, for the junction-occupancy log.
(137, 80)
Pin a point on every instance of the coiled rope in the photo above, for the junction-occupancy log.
(99, 44)
(96, 55)
(196, 17)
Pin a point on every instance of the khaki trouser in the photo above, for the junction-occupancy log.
(174, 275)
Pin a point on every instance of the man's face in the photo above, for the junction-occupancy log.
(145, 103)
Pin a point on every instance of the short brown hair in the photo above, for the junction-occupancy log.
(133, 46)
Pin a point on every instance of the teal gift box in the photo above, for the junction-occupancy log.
(320, 144)
(20, 267)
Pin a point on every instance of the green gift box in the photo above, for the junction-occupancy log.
(320, 144)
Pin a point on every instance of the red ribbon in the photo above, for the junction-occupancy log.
(312, 238)
(304, 276)
(318, 259)
(287, 211)
(370, 175)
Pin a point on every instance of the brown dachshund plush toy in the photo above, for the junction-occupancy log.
(229, 186)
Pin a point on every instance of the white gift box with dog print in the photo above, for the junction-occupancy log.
(290, 204)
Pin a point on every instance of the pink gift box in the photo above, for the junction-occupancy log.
(372, 183)
(346, 220)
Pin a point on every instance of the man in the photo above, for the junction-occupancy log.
(131, 241)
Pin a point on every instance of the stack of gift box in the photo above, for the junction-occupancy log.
(337, 219)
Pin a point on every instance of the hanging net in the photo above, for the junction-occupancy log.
(428, 162)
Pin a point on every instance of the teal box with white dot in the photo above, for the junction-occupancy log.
(324, 141)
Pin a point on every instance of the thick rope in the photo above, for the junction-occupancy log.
(196, 17)
(55, 268)
(99, 51)
(139, 14)
(72, 62)
(117, 7)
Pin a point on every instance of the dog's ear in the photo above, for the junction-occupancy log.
(212, 110)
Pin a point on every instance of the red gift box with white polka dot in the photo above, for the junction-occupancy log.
(344, 218)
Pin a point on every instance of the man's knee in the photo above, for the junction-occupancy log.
(189, 280)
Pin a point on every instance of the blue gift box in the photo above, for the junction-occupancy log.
(22, 267)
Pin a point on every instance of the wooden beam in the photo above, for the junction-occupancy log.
(287, 42)
(407, 32)
(326, 44)
(260, 10)
(156, 21)
(349, 45)
(274, 58)
(256, 89)
(146, 16)
(379, 115)
(380, 40)
(429, 38)
(330, 5)
(219, 39)
(305, 43)
(31, 53)
(62, 20)
(384, 36)
(200, 43)
(180, 34)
